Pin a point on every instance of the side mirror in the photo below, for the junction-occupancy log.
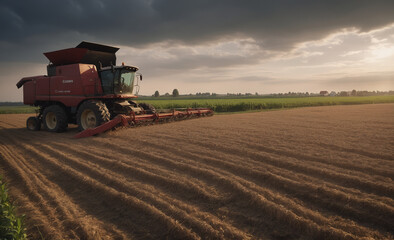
(138, 76)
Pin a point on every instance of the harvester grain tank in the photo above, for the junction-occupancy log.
(84, 86)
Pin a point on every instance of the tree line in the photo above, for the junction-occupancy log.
(175, 93)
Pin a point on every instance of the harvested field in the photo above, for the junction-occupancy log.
(307, 173)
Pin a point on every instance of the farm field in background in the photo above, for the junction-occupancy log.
(17, 109)
(306, 173)
(249, 104)
(230, 104)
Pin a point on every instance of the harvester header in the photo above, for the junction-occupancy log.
(84, 86)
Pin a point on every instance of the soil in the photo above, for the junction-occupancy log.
(307, 173)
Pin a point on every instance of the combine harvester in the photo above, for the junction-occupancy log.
(85, 87)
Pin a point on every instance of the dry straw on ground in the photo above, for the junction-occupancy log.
(310, 173)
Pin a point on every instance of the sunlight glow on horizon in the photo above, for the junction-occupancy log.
(243, 65)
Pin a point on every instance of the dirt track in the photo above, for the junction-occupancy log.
(310, 173)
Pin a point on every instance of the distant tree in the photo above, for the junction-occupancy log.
(157, 94)
(354, 92)
(175, 93)
(343, 94)
(324, 93)
(167, 94)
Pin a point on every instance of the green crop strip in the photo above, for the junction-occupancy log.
(251, 104)
(11, 226)
(224, 104)
(17, 109)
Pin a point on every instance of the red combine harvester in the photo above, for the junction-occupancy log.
(85, 87)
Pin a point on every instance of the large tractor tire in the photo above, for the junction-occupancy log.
(33, 124)
(55, 119)
(148, 108)
(91, 114)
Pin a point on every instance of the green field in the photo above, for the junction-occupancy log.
(11, 225)
(239, 104)
(252, 104)
(17, 109)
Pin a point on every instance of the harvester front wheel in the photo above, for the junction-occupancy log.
(55, 119)
(148, 108)
(33, 124)
(91, 114)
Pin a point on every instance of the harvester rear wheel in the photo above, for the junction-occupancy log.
(55, 119)
(33, 124)
(91, 114)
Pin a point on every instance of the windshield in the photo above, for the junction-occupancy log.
(119, 81)
(124, 84)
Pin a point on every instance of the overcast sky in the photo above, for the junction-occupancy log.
(264, 46)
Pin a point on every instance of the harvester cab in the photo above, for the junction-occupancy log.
(119, 80)
(84, 86)
(114, 80)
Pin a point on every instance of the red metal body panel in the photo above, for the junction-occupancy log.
(75, 80)
(73, 76)
(66, 56)
(42, 88)
(90, 80)
(29, 93)
(72, 84)
(65, 86)
(69, 101)
(29, 88)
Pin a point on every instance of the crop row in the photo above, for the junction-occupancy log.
(250, 104)
(11, 225)
(238, 104)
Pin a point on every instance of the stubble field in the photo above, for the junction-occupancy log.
(308, 173)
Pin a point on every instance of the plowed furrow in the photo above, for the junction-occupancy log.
(254, 163)
(7, 125)
(265, 193)
(367, 162)
(358, 152)
(123, 185)
(199, 171)
(106, 195)
(341, 165)
(236, 171)
(289, 140)
(37, 194)
(51, 200)
(313, 173)
(287, 171)
(303, 209)
(331, 200)
(130, 166)
(350, 180)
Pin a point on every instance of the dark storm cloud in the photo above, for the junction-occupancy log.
(31, 27)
